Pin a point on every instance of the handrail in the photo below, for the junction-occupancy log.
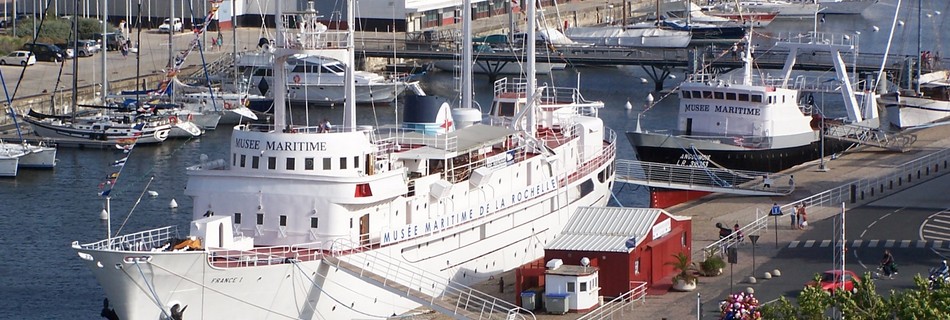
(638, 292)
(852, 192)
(147, 240)
(395, 272)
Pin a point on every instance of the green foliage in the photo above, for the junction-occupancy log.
(684, 269)
(865, 303)
(9, 44)
(712, 264)
(58, 30)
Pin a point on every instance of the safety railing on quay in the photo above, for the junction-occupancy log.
(621, 304)
(419, 283)
(851, 193)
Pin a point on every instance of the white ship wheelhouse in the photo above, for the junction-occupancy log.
(718, 108)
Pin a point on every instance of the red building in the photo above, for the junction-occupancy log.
(627, 244)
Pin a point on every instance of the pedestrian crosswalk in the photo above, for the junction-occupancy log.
(874, 243)
(937, 227)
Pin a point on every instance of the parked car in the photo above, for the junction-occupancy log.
(83, 48)
(19, 57)
(114, 40)
(45, 51)
(832, 280)
(170, 26)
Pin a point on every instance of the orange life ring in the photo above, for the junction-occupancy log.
(297, 78)
(227, 105)
(173, 119)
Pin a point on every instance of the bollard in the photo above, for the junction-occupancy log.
(767, 275)
(751, 280)
(776, 273)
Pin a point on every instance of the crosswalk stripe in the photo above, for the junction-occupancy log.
(824, 243)
(857, 243)
(889, 243)
(905, 243)
(940, 220)
(937, 234)
(921, 243)
(809, 243)
(793, 244)
(938, 226)
(872, 243)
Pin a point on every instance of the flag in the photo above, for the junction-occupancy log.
(120, 162)
(105, 193)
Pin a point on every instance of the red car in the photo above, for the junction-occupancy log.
(831, 281)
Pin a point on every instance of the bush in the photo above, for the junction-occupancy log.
(9, 44)
(57, 30)
(712, 265)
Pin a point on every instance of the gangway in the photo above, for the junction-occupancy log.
(426, 288)
(863, 135)
(709, 179)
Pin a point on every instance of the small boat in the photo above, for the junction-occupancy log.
(103, 126)
(9, 160)
(40, 155)
(619, 36)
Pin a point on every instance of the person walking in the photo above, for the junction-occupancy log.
(794, 218)
(887, 264)
(802, 217)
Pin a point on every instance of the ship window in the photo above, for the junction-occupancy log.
(707, 95)
(243, 160)
(697, 95)
(255, 162)
(272, 163)
(237, 218)
(586, 187)
(756, 98)
(234, 159)
(260, 219)
(291, 163)
(783, 98)
(506, 109)
(342, 163)
(686, 95)
(314, 222)
(584, 286)
(308, 163)
(718, 95)
(731, 96)
(570, 286)
(356, 162)
(743, 97)
(283, 220)
(326, 163)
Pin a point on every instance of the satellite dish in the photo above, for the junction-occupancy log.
(585, 261)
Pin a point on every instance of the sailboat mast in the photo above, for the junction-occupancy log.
(105, 47)
(530, 69)
(920, 56)
(350, 104)
(171, 31)
(233, 40)
(467, 53)
(138, 52)
(75, 101)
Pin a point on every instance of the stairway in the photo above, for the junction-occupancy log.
(419, 285)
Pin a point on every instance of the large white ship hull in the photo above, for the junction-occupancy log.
(316, 290)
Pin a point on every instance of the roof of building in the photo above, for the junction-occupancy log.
(607, 229)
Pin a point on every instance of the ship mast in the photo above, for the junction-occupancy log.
(467, 52)
(349, 104)
(530, 127)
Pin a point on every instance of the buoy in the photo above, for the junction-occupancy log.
(644, 80)
(929, 15)
(857, 32)
(104, 215)
(173, 204)
(937, 12)
(628, 106)
(672, 76)
(152, 194)
(649, 98)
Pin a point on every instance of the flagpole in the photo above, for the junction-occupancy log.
(109, 221)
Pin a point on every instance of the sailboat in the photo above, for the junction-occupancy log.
(622, 36)
(296, 217)
(928, 101)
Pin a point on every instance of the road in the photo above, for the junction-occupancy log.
(914, 224)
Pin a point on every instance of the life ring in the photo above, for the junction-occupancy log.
(297, 78)
(173, 119)
(227, 105)
(190, 117)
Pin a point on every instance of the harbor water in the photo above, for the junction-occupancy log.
(42, 212)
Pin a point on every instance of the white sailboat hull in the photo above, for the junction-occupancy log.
(39, 157)
(8, 166)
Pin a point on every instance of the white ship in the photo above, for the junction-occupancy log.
(360, 222)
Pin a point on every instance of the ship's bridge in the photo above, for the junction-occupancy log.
(302, 150)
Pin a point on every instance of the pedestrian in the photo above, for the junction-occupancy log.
(888, 266)
(794, 218)
(325, 125)
(125, 49)
(220, 40)
(735, 51)
(723, 231)
(802, 217)
(738, 233)
(791, 181)
(766, 182)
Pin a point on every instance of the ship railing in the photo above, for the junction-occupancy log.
(621, 304)
(395, 137)
(421, 285)
(147, 240)
(825, 38)
(264, 256)
(886, 182)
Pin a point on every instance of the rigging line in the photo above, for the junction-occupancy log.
(220, 292)
(351, 289)
(154, 298)
(296, 263)
(137, 201)
(204, 62)
(39, 29)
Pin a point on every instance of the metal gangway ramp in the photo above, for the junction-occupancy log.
(711, 179)
(868, 136)
(426, 288)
